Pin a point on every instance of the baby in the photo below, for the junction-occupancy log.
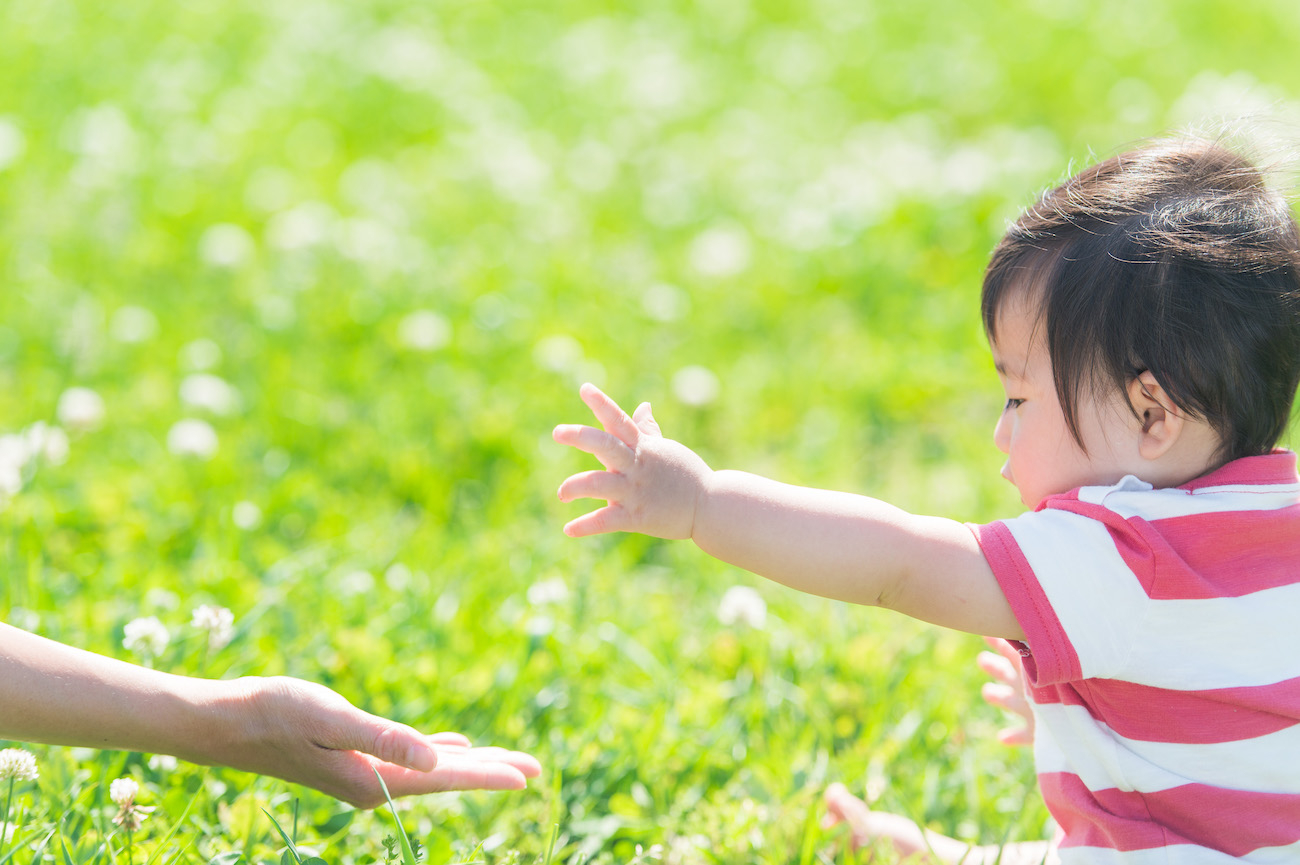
(1144, 319)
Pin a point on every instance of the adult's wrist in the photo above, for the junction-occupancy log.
(212, 720)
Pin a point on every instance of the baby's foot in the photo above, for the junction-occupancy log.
(867, 826)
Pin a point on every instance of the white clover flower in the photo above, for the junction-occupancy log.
(80, 408)
(540, 626)
(405, 56)
(11, 479)
(133, 324)
(13, 459)
(695, 385)
(744, 605)
(163, 763)
(146, 637)
(552, 591)
(129, 815)
(303, 226)
(664, 302)
(203, 390)
(192, 437)
(687, 848)
(21, 617)
(159, 598)
(218, 622)
(398, 577)
(226, 245)
(12, 143)
(723, 250)
(424, 330)
(18, 765)
(123, 792)
(558, 353)
(47, 442)
(200, 354)
(246, 515)
(354, 583)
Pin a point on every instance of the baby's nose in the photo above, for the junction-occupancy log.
(1002, 435)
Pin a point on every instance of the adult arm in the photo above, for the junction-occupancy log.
(284, 727)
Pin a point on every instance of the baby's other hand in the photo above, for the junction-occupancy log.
(1008, 692)
(651, 484)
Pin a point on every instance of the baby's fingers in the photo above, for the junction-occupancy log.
(611, 518)
(1012, 700)
(611, 417)
(592, 485)
(998, 667)
(610, 450)
(1016, 736)
(1002, 696)
(1006, 650)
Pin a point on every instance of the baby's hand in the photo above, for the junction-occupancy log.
(1005, 666)
(652, 484)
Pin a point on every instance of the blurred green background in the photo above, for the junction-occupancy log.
(364, 253)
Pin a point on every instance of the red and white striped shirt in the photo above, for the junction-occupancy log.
(1163, 660)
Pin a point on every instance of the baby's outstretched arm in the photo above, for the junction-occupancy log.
(837, 545)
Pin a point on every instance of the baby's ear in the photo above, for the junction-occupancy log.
(1162, 420)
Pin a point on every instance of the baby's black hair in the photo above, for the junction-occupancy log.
(1175, 258)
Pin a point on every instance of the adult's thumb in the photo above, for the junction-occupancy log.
(395, 743)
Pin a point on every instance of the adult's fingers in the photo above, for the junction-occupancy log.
(525, 763)
(611, 417)
(312, 713)
(453, 773)
(467, 769)
(387, 740)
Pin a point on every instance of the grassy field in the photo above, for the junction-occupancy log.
(364, 253)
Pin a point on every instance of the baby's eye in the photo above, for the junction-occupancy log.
(1012, 404)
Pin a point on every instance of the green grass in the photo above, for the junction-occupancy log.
(796, 197)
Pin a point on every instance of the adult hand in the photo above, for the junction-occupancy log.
(651, 484)
(306, 733)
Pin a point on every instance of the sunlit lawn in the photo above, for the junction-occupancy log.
(333, 271)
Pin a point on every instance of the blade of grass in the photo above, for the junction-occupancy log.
(36, 854)
(810, 836)
(293, 851)
(408, 855)
(176, 826)
(556, 792)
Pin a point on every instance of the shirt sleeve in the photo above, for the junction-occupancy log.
(1071, 590)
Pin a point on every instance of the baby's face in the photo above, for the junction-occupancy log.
(1043, 459)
